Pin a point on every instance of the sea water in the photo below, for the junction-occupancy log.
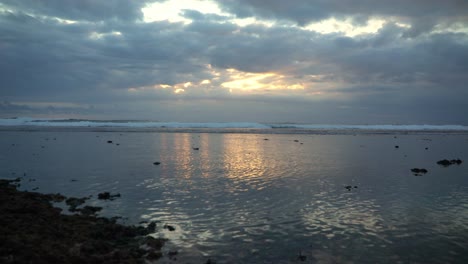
(262, 197)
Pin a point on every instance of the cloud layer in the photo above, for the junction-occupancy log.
(399, 62)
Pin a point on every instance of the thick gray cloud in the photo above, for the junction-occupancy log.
(110, 62)
(422, 13)
(81, 10)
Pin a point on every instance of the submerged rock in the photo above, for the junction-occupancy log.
(107, 196)
(89, 210)
(156, 163)
(418, 172)
(169, 227)
(73, 203)
(446, 162)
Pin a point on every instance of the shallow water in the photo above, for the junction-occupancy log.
(243, 199)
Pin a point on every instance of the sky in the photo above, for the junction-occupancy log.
(302, 61)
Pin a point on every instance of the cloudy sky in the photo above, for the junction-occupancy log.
(308, 61)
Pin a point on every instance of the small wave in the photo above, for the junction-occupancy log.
(48, 122)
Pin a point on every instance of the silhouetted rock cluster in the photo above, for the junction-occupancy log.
(446, 162)
(107, 196)
(349, 187)
(169, 227)
(418, 172)
(34, 231)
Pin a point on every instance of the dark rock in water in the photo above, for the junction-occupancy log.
(73, 203)
(355, 187)
(34, 231)
(209, 261)
(153, 255)
(418, 172)
(265, 139)
(73, 180)
(426, 148)
(296, 140)
(89, 210)
(104, 196)
(156, 163)
(117, 144)
(397, 146)
(151, 227)
(446, 162)
(169, 227)
(348, 187)
(107, 196)
(109, 141)
(196, 148)
(302, 257)
(172, 254)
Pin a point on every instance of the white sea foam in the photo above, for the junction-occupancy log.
(43, 122)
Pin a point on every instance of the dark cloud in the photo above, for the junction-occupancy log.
(398, 72)
(81, 10)
(422, 13)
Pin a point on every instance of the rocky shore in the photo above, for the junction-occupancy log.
(32, 230)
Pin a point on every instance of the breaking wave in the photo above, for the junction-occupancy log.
(43, 122)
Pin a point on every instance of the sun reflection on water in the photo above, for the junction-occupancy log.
(244, 162)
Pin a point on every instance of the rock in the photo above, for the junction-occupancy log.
(107, 196)
(109, 141)
(296, 140)
(265, 139)
(169, 227)
(172, 253)
(418, 172)
(33, 231)
(348, 187)
(302, 257)
(156, 163)
(73, 203)
(446, 162)
(196, 148)
(209, 261)
(89, 210)
(151, 227)
(397, 146)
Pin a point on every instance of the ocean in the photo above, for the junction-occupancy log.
(260, 193)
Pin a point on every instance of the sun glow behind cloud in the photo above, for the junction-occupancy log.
(332, 25)
(172, 10)
(246, 81)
